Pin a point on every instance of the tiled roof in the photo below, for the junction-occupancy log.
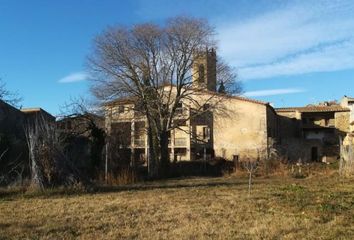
(125, 100)
(241, 98)
(333, 108)
(349, 98)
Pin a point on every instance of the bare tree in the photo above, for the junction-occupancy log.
(227, 78)
(84, 113)
(48, 161)
(2, 175)
(154, 65)
(8, 96)
(87, 125)
(251, 166)
(12, 169)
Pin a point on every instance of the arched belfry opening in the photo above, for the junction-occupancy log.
(201, 73)
(204, 69)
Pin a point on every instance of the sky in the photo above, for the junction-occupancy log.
(288, 53)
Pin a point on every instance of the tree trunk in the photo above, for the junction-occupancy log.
(249, 183)
(36, 171)
(164, 154)
(153, 153)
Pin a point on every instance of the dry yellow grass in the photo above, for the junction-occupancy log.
(320, 207)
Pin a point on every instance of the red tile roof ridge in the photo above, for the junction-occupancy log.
(336, 108)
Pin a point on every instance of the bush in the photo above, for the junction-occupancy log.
(215, 167)
(123, 176)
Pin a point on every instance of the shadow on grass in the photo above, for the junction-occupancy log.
(172, 184)
(12, 194)
(7, 194)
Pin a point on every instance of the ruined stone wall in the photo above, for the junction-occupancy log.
(272, 124)
(298, 149)
(342, 122)
(289, 125)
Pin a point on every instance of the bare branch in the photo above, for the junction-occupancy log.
(11, 98)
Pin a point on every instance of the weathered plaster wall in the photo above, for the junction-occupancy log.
(240, 129)
(342, 121)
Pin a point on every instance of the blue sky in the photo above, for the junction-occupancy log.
(286, 52)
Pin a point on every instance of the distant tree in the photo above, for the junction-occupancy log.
(222, 88)
(8, 96)
(87, 124)
(153, 64)
(12, 152)
(226, 75)
(49, 162)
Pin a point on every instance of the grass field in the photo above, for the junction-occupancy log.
(318, 207)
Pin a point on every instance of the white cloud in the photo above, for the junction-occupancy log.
(74, 77)
(273, 92)
(303, 38)
(332, 58)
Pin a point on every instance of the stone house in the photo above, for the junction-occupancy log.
(237, 127)
(313, 133)
(349, 103)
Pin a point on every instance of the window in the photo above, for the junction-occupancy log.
(179, 108)
(121, 109)
(326, 122)
(201, 74)
(304, 120)
(206, 133)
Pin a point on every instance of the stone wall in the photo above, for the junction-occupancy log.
(342, 122)
(240, 130)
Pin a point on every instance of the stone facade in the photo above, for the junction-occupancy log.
(239, 127)
(246, 131)
(236, 128)
(349, 103)
(204, 70)
(313, 133)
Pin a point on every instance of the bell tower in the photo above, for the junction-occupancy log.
(204, 70)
